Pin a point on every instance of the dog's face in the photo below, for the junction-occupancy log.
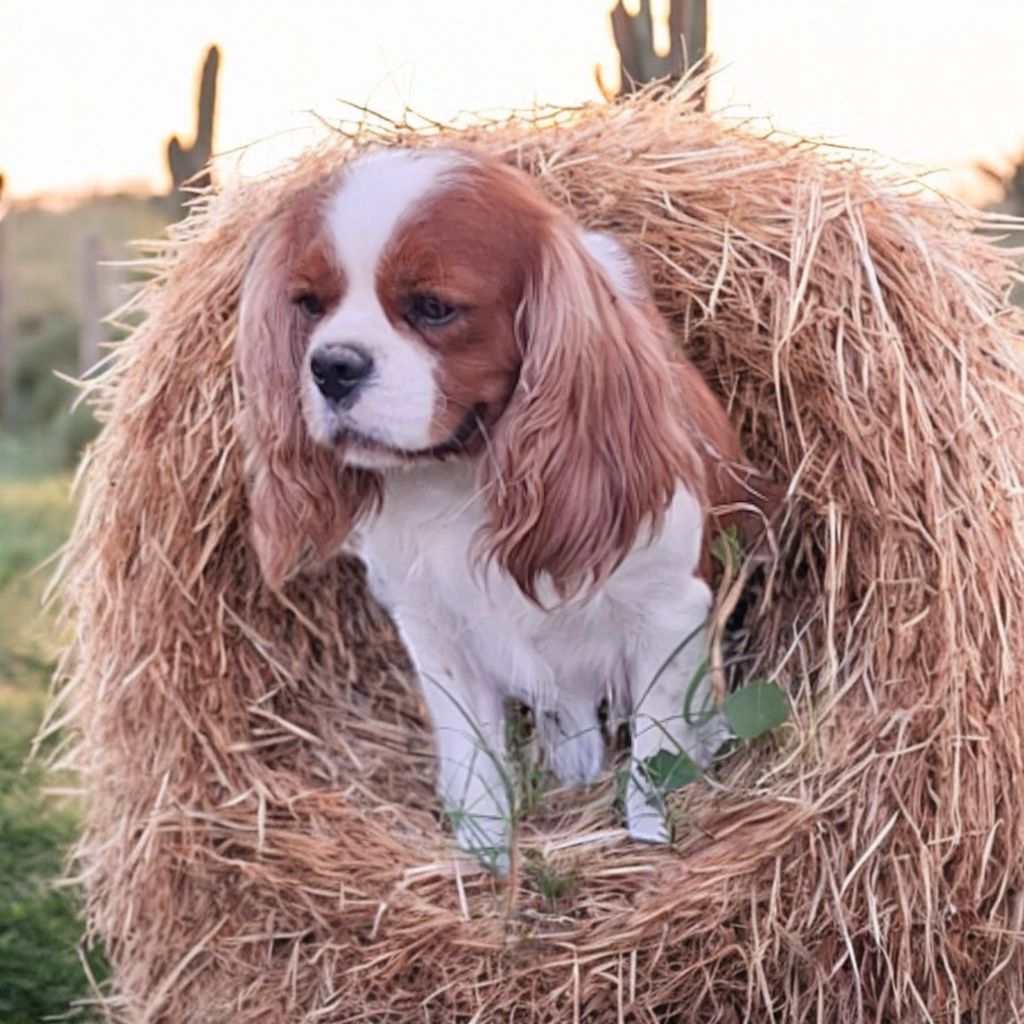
(431, 304)
(411, 306)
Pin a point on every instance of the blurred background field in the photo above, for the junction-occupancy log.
(41, 973)
(67, 261)
(90, 168)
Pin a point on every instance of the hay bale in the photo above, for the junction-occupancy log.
(263, 840)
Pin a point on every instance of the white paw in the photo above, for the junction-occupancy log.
(702, 742)
(577, 760)
(486, 838)
(645, 814)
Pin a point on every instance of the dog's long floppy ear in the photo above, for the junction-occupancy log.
(303, 501)
(587, 456)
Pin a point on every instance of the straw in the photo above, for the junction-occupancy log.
(263, 841)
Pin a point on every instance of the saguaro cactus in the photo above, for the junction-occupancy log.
(639, 62)
(188, 164)
(1011, 185)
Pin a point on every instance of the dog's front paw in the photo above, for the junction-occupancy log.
(486, 837)
(645, 813)
(577, 760)
(702, 742)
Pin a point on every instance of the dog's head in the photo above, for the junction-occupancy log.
(432, 304)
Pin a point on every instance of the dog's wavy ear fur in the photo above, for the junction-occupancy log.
(591, 447)
(303, 501)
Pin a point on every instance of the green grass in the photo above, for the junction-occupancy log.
(554, 884)
(33, 523)
(40, 971)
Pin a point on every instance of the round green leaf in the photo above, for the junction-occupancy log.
(756, 709)
(668, 772)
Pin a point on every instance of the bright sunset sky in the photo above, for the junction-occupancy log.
(89, 92)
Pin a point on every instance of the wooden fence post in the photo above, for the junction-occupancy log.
(6, 338)
(91, 333)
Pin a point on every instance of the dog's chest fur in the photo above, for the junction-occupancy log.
(563, 657)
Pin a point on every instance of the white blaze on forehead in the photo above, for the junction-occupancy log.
(375, 195)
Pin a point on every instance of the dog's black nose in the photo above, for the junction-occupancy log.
(339, 370)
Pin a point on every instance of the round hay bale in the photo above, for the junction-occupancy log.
(263, 841)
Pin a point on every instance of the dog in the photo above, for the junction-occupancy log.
(444, 373)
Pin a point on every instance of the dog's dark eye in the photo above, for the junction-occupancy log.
(310, 306)
(431, 311)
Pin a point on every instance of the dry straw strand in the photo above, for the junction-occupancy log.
(262, 842)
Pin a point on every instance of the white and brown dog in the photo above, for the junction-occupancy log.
(444, 372)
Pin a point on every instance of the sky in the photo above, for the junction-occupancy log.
(89, 93)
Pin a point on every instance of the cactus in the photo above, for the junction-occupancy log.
(634, 37)
(189, 164)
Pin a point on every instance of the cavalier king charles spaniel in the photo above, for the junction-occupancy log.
(446, 375)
